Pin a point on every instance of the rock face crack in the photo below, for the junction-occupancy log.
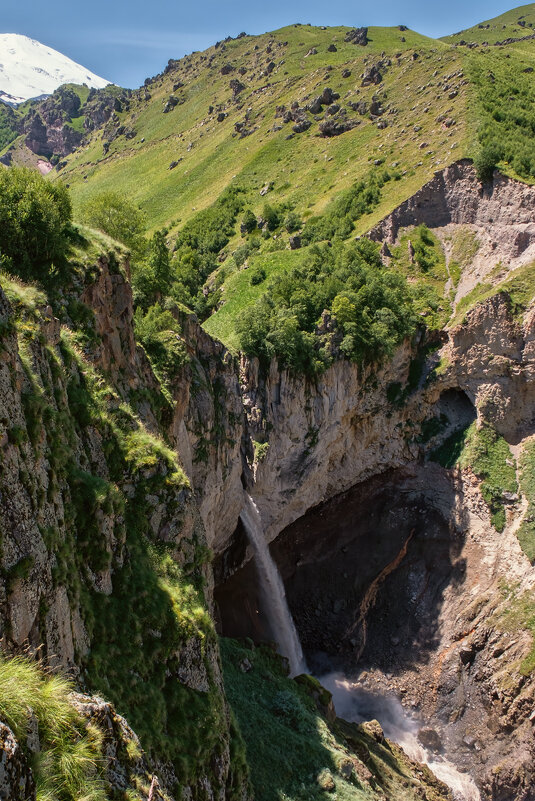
(359, 627)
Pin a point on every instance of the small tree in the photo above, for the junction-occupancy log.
(486, 161)
(271, 215)
(35, 223)
(159, 262)
(118, 217)
(249, 223)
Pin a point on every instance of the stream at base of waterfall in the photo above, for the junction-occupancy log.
(351, 702)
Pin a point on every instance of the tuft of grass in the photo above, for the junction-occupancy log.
(69, 764)
(488, 455)
(526, 532)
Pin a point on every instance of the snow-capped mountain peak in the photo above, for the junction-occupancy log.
(31, 69)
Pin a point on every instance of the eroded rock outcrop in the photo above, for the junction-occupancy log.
(102, 537)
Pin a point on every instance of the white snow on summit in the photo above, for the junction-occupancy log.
(30, 69)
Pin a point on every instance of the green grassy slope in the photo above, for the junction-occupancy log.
(296, 755)
(225, 128)
(514, 24)
(305, 169)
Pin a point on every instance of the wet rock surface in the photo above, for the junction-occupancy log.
(396, 583)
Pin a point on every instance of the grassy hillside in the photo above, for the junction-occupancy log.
(303, 168)
(295, 754)
(291, 123)
(514, 24)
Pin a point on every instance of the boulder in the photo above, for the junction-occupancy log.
(334, 126)
(315, 106)
(328, 96)
(332, 110)
(430, 739)
(372, 76)
(301, 126)
(236, 87)
(358, 36)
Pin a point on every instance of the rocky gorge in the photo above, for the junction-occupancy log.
(402, 573)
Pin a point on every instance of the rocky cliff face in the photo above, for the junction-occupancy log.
(102, 541)
(209, 428)
(500, 214)
(350, 427)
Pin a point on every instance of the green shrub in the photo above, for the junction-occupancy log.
(118, 217)
(160, 334)
(257, 276)
(371, 307)
(249, 223)
(35, 224)
(272, 215)
(292, 222)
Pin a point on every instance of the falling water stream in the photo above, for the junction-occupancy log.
(272, 590)
(351, 701)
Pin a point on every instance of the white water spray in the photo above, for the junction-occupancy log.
(357, 705)
(272, 589)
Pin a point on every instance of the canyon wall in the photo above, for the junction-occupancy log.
(102, 539)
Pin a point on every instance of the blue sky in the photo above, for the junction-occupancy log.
(129, 41)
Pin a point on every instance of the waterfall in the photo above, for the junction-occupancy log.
(356, 704)
(272, 590)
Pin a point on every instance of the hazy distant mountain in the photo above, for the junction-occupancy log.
(31, 69)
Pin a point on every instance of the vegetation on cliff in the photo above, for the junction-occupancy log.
(120, 545)
(68, 765)
(295, 752)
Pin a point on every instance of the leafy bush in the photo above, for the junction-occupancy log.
(272, 215)
(338, 220)
(292, 222)
(152, 276)
(159, 333)
(118, 217)
(35, 224)
(257, 276)
(486, 161)
(249, 223)
(371, 306)
(244, 251)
